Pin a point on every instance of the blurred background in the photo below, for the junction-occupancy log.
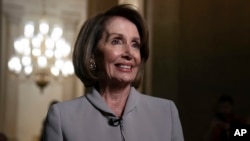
(199, 50)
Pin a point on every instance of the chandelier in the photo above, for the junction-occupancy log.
(41, 53)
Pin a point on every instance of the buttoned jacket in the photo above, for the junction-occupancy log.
(88, 118)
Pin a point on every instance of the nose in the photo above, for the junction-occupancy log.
(128, 55)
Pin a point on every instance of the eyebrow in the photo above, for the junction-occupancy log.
(120, 35)
(110, 34)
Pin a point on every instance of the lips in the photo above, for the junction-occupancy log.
(127, 67)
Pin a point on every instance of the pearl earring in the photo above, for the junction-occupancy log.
(92, 65)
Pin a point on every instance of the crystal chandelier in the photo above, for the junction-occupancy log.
(41, 53)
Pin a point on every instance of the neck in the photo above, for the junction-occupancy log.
(115, 97)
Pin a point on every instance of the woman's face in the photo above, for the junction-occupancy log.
(118, 52)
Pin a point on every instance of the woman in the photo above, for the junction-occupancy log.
(109, 57)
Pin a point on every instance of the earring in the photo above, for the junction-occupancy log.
(92, 65)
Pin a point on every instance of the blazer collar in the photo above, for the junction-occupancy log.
(95, 98)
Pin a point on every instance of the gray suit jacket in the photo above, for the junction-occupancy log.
(88, 118)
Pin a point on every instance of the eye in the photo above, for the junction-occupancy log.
(116, 42)
(136, 45)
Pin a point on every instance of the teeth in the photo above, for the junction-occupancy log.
(125, 66)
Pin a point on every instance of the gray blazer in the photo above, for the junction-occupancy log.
(88, 118)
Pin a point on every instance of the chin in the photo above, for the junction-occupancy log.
(125, 81)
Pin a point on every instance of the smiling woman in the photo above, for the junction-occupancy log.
(99, 29)
(118, 53)
(109, 57)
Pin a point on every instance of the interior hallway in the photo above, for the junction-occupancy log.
(199, 50)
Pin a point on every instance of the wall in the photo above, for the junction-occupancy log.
(33, 107)
(1, 71)
(95, 7)
(214, 60)
(9, 90)
(201, 51)
(23, 105)
(165, 44)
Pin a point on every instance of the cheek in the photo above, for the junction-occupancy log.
(109, 57)
(138, 58)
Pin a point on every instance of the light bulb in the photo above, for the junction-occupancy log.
(18, 68)
(56, 33)
(60, 43)
(42, 61)
(68, 68)
(59, 64)
(55, 71)
(13, 62)
(29, 29)
(40, 36)
(44, 27)
(28, 70)
(18, 46)
(27, 50)
(36, 42)
(26, 60)
(66, 50)
(49, 53)
(36, 52)
(58, 53)
(25, 42)
(49, 43)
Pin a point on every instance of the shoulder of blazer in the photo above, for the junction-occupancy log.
(152, 103)
(154, 100)
(72, 105)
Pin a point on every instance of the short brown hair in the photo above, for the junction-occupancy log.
(90, 34)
